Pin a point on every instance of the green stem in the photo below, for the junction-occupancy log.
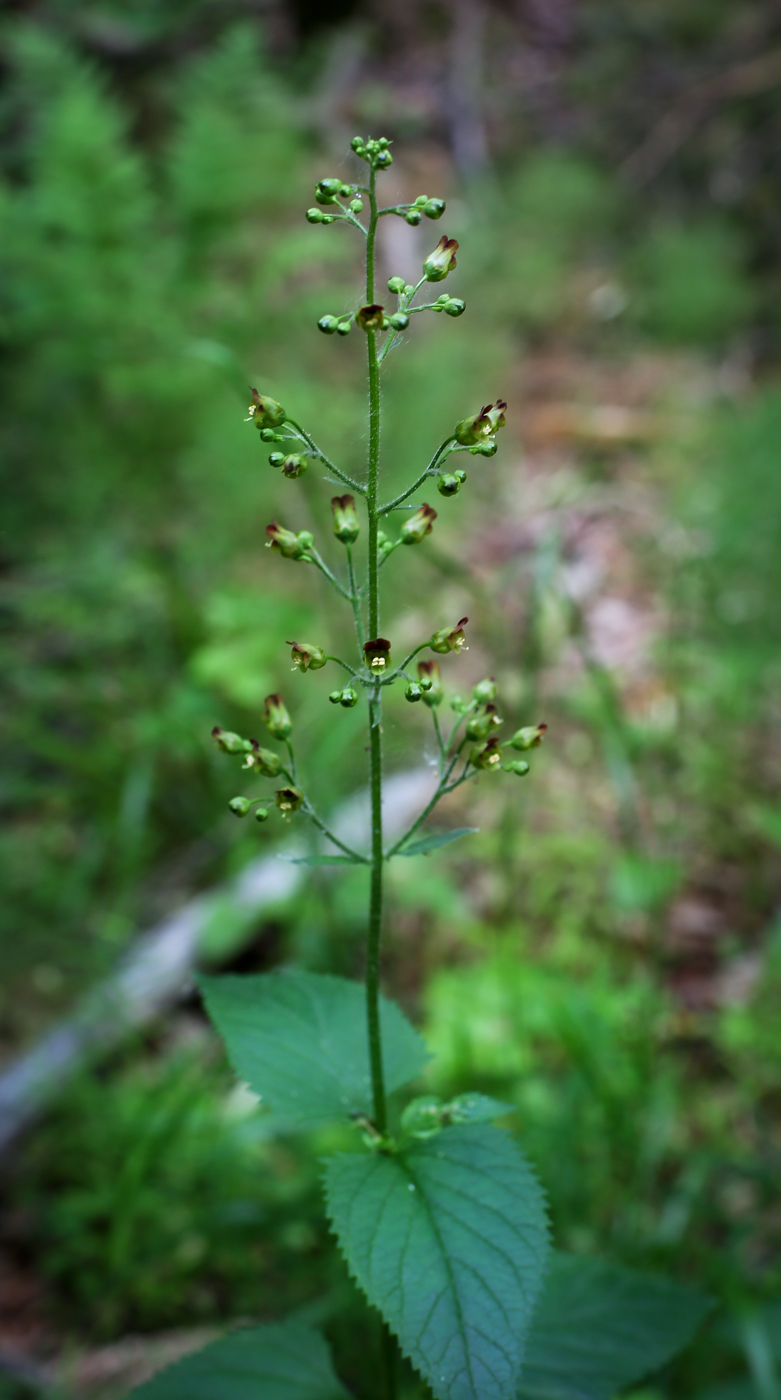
(391, 505)
(314, 558)
(375, 705)
(310, 442)
(320, 824)
(355, 599)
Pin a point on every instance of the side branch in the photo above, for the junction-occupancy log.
(312, 445)
(440, 452)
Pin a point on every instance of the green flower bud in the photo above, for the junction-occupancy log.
(356, 205)
(442, 261)
(306, 657)
(485, 449)
(327, 190)
(487, 756)
(460, 475)
(345, 191)
(383, 160)
(276, 718)
(434, 208)
(268, 435)
(370, 318)
(289, 545)
(348, 698)
(377, 655)
(293, 466)
(413, 692)
(450, 638)
(264, 761)
(485, 691)
(455, 307)
(357, 143)
(289, 799)
(382, 143)
(384, 545)
(430, 679)
(519, 766)
(315, 216)
(328, 324)
(418, 525)
(327, 219)
(399, 320)
(276, 459)
(230, 743)
(459, 705)
(335, 697)
(528, 738)
(265, 412)
(239, 806)
(421, 201)
(481, 426)
(422, 1118)
(408, 289)
(343, 327)
(347, 526)
(413, 217)
(262, 814)
(448, 484)
(396, 285)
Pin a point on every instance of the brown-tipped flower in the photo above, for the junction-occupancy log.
(450, 638)
(430, 678)
(289, 545)
(487, 756)
(483, 425)
(418, 525)
(442, 261)
(293, 465)
(289, 799)
(371, 318)
(263, 761)
(306, 656)
(276, 717)
(347, 526)
(377, 655)
(265, 412)
(481, 724)
(528, 738)
(230, 743)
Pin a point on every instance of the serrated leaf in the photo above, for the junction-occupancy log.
(599, 1327)
(285, 1361)
(299, 1040)
(435, 840)
(323, 860)
(449, 1241)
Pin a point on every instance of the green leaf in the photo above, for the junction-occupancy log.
(449, 1240)
(435, 840)
(286, 1361)
(599, 1327)
(323, 860)
(299, 1040)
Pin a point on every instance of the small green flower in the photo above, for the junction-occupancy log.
(347, 526)
(487, 756)
(450, 638)
(289, 545)
(264, 761)
(528, 738)
(450, 483)
(276, 718)
(371, 318)
(481, 426)
(265, 412)
(430, 678)
(293, 465)
(414, 692)
(442, 261)
(377, 654)
(481, 723)
(348, 698)
(230, 743)
(288, 799)
(485, 691)
(306, 656)
(418, 525)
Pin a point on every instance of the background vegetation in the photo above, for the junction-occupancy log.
(606, 953)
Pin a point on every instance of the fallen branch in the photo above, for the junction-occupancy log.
(158, 968)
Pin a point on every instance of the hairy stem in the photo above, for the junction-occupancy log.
(375, 705)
